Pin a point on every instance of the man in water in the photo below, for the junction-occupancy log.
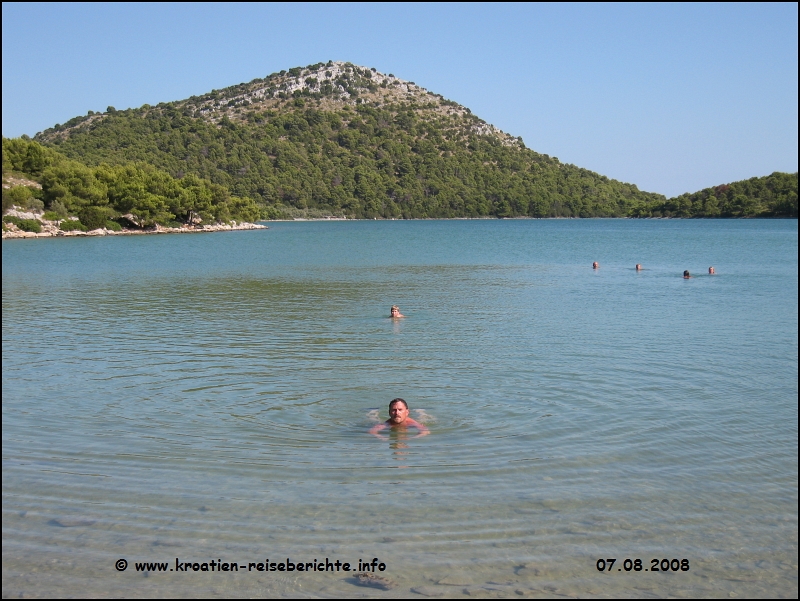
(686, 274)
(595, 265)
(638, 267)
(399, 420)
(395, 312)
(711, 271)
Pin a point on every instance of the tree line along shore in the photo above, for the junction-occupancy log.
(47, 194)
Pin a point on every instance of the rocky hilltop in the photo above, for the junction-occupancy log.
(327, 86)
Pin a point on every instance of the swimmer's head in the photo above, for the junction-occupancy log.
(711, 270)
(686, 274)
(394, 310)
(638, 267)
(397, 400)
(398, 411)
(595, 265)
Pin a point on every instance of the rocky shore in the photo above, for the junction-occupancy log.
(52, 229)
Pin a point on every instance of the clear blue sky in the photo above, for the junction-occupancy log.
(673, 98)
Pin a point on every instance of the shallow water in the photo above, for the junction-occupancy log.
(208, 397)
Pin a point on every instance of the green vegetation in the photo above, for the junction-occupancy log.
(100, 194)
(71, 225)
(364, 162)
(26, 225)
(773, 195)
(22, 196)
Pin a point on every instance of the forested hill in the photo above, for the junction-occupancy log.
(335, 138)
(772, 195)
(341, 139)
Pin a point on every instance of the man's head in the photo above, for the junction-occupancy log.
(398, 411)
(395, 310)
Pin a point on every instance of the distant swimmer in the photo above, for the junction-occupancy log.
(711, 271)
(395, 312)
(595, 265)
(638, 267)
(686, 274)
(399, 420)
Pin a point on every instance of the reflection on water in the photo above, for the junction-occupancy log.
(398, 443)
(211, 396)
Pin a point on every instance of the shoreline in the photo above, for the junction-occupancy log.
(522, 218)
(50, 229)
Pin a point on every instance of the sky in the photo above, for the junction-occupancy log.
(671, 97)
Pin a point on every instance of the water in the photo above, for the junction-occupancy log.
(208, 397)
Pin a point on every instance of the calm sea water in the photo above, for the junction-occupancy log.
(208, 397)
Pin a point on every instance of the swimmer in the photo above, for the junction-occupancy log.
(686, 274)
(711, 271)
(638, 267)
(395, 312)
(595, 265)
(399, 419)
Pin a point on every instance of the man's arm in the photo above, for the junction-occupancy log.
(377, 428)
(423, 429)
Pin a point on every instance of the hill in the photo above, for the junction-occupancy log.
(341, 139)
(337, 139)
(770, 196)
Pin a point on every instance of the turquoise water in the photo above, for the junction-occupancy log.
(208, 397)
